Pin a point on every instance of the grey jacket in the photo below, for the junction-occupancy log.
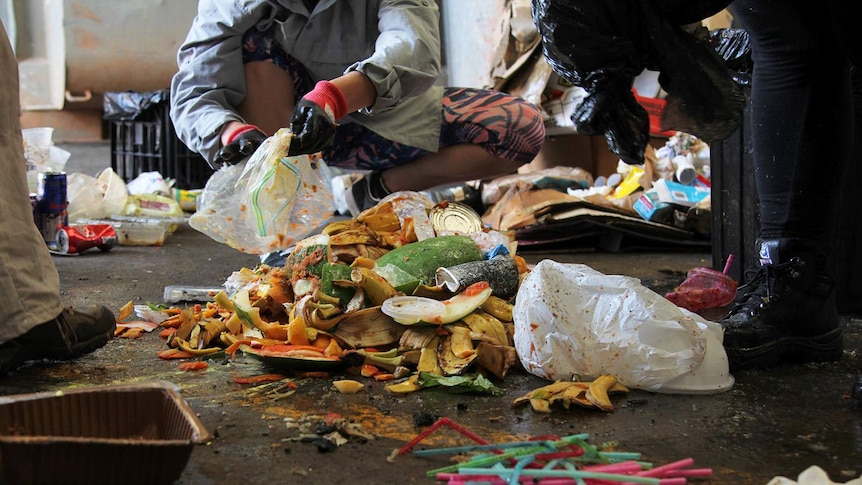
(396, 43)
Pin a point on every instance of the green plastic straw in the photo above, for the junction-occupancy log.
(484, 462)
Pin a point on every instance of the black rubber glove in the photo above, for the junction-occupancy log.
(314, 116)
(313, 127)
(240, 147)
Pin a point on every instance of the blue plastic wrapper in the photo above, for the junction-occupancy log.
(499, 250)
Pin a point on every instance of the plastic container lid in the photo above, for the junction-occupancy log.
(412, 309)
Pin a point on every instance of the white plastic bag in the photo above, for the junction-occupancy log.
(267, 203)
(85, 199)
(571, 320)
(114, 192)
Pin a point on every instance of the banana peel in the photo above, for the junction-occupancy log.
(592, 394)
(498, 308)
(462, 343)
(375, 287)
(368, 327)
(411, 384)
(496, 359)
(597, 392)
(488, 325)
(428, 358)
(450, 363)
(359, 235)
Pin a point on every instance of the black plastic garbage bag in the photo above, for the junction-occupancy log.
(734, 46)
(602, 45)
(130, 105)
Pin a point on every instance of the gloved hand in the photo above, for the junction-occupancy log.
(241, 143)
(314, 117)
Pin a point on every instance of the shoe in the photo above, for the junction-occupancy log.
(76, 331)
(787, 312)
(352, 194)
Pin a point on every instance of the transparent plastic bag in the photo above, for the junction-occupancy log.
(266, 203)
(573, 321)
(85, 199)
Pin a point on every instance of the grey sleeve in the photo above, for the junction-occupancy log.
(406, 60)
(210, 80)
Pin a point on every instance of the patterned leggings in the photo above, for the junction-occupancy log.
(504, 125)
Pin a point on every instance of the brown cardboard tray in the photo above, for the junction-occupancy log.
(140, 433)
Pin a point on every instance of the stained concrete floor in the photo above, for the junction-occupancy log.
(772, 422)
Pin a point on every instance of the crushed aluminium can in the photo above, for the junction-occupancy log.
(75, 239)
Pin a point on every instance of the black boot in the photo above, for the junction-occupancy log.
(787, 312)
(74, 332)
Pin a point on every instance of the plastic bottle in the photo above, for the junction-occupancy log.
(458, 192)
(32, 178)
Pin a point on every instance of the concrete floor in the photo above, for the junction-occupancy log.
(772, 422)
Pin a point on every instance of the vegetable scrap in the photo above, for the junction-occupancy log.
(327, 432)
(547, 460)
(593, 394)
(267, 386)
(192, 366)
(331, 306)
(132, 328)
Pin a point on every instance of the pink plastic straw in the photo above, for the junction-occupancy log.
(690, 472)
(660, 471)
(621, 467)
(727, 264)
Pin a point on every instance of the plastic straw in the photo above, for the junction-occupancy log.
(727, 264)
(441, 422)
(659, 471)
(517, 452)
(570, 474)
(620, 467)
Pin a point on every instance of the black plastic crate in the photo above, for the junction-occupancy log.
(143, 140)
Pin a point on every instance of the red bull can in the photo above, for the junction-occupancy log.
(78, 238)
(51, 204)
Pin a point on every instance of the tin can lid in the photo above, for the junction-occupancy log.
(455, 217)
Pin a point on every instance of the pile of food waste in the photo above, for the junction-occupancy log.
(408, 291)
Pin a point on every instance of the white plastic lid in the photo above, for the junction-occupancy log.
(412, 309)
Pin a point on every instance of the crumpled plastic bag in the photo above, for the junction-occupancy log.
(130, 105)
(114, 192)
(266, 203)
(602, 45)
(150, 183)
(90, 198)
(571, 320)
(85, 198)
(813, 475)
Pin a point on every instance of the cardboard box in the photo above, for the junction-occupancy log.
(665, 194)
(679, 194)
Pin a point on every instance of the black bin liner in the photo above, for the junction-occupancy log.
(603, 45)
(131, 105)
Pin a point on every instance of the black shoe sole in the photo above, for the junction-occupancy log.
(15, 358)
(828, 347)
